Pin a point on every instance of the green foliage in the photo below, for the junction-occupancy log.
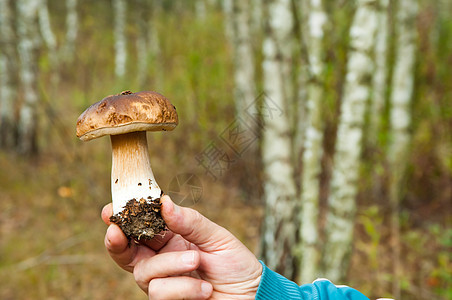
(51, 204)
(441, 276)
(51, 234)
(372, 221)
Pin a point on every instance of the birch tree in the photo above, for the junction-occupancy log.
(119, 7)
(8, 72)
(143, 12)
(244, 79)
(400, 119)
(256, 11)
(200, 9)
(66, 51)
(344, 183)
(239, 33)
(47, 33)
(228, 8)
(279, 232)
(148, 47)
(153, 37)
(49, 39)
(28, 45)
(71, 30)
(313, 150)
(381, 71)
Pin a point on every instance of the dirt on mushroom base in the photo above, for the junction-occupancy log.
(140, 220)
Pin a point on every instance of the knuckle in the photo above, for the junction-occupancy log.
(138, 274)
(195, 218)
(198, 218)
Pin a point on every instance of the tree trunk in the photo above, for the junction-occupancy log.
(68, 50)
(237, 20)
(8, 73)
(280, 228)
(344, 183)
(256, 13)
(148, 47)
(28, 45)
(200, 9)
(143, 13)
(377, 105)
(379, 85)
(228, 8)
(312, 150)
(119, 7)
(46, 29)
(400, 120)
(49, 39)
(153, 37)
(244, 88)
(153, 42)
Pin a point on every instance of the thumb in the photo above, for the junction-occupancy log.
(193, 226)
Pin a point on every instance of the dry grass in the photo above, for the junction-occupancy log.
(51, 234)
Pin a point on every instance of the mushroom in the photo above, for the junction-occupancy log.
(126, 118)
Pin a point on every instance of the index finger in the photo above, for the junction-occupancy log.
(125, 254)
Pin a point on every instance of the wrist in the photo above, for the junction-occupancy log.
(274, 286)
(257, 278)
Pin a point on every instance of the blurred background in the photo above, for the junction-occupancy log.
(318, 132)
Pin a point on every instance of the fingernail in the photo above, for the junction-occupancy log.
(169, 202)
(188, 258)
(206, 288)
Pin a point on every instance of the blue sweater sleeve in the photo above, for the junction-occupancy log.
(274, 286)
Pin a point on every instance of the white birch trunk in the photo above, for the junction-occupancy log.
(46, 28)
(244, 80)
(237, 20)
(256, 12)
(313, 150)
(71, 30)
(403, 79)
(119, 7)
(300, 100)
(148, 46)
(379, 86)
(400, 119)
(142, 14)
(153, 41)
(153, 37)
(49, 38)
(28, 45)
(228, 8)
(200, 9)
(8, 71)
(344, 183)
(279, 235)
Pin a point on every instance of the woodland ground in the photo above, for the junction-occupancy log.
(51, 244)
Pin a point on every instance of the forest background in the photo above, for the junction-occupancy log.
(318, 132)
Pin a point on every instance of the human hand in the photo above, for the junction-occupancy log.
(195, 259)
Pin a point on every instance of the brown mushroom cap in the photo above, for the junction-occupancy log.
(127, 112)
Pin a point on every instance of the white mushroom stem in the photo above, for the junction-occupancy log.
(131, 173)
